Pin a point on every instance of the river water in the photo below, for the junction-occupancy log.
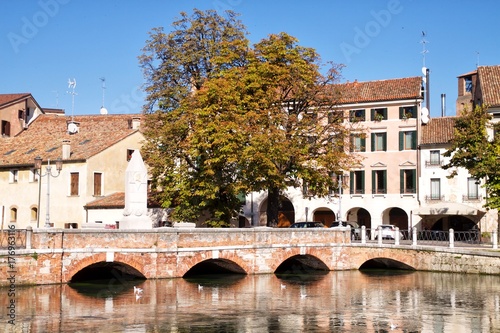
(346, 301)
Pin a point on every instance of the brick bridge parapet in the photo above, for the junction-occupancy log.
(56, 255)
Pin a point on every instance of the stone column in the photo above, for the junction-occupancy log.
(135, 213)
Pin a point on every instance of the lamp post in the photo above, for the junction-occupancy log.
(341, 178)
(48, 173)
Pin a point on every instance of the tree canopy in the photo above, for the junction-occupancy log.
(225, 118)
(476, 148)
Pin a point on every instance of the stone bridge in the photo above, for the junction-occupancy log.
(46, 256)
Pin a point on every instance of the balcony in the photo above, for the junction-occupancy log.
(434, 198)
(433, 164)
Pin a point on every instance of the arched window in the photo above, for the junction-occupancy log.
(34, 214)
(13, 214)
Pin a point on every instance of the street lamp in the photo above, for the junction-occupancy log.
(48, 173)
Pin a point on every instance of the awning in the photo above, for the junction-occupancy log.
(448, 208)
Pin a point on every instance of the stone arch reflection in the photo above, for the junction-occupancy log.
(215, 266)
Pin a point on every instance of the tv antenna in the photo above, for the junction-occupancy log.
(103, 109)
(72, 86)
(477, 59)
(423, 41)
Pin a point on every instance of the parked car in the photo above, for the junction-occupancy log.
(355, 229)
(388, 232)
(311, 224)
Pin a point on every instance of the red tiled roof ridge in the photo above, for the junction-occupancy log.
(9, 98)
(380, 90)
(489, 79)
(439, 130)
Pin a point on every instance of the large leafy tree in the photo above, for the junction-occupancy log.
(225, 118)
(476, 148)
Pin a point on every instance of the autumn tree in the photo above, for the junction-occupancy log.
(225, 118)
(476, 148)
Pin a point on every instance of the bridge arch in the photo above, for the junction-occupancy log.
(313, 258)
(122, 262)
(225, 261)
(387, 263)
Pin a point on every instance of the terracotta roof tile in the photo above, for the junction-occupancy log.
(382, 90)
(489, 78)
(438, 131)
(45, 135)
(9, 98)
(115, 200)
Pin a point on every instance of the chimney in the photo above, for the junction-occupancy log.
(136, 122)
(66, 149)
(443, 105)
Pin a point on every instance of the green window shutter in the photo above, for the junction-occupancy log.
(401, 140)
(241, 197)
(413, 139)
(351, 182)
(372, 114)
(363, 144)
(384, 173)
(384, 141)
(414, 180)
(401, 181)
(363, 182)
(384, 112)
(401, 112)
(374, 174)
(373, 141)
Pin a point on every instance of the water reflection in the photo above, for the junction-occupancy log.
(351, 301)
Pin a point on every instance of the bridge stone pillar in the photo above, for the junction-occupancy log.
(452, 238)
(396, 236)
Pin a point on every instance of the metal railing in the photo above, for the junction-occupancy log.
(441, 238)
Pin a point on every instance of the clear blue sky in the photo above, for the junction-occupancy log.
(43, 43)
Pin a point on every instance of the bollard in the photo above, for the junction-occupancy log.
(379, 237)
(363, 234)
(494, 238)
(29, 234)
(452, 238)
(414, 236)
(397, 236)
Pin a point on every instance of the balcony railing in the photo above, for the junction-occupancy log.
(434, 198)
(433, 164)
(467, 197)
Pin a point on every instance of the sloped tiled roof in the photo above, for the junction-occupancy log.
(382, 90)
(115, 200)
(9, 98)
(45, 135)
(438, 131)
(489, 78)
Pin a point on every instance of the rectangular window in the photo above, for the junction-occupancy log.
(129, 154)
(97, 184)
(358, 143)
(379, 114)
(34, 176)
(5, 128)
(74, 183)
(435, 189)
(357, 182)
(435, 157)
(472, 188)
(13, 176)
(407, 140)
(357, 115)
(379, 141)
(408, 181)
(407, 112)
(379, 181)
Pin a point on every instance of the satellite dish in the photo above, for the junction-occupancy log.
(424, 112)
(72, 128)
(425, 119)
(103, 110)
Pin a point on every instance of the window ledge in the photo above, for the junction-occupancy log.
(379, 195)
(408, 195)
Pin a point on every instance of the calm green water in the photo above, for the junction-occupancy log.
(351, 301)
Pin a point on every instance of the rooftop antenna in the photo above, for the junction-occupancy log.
(477, 59)
(103, 109)
(424, 49)
(72, 86)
